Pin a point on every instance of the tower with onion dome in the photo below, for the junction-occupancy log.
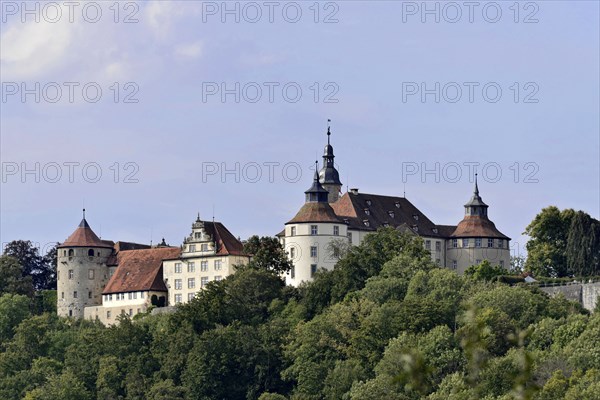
(82, 271)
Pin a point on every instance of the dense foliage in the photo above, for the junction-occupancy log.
(563, 244)
(386, 323)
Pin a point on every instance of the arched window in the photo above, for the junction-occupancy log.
(71, 252)
(91, 252)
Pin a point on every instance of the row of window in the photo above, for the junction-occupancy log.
(179, 297)
(455, 263)
(313, 271)
(71, 274)
(203, 247)
(314, 230)
(75, 295)
(191, 266)
(121, 296)
(438, 245)
(478, 242)
(191, 282)
(71, 253)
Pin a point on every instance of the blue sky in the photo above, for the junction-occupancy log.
(366, 59)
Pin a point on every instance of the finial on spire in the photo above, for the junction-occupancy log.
(84, 213)
(328, 130)
(476, 188)
(198, 219)
(316, 170)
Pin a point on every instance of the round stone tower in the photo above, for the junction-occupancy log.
(82, 271)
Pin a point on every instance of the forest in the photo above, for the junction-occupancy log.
(386, 323)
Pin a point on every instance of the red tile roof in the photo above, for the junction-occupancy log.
(84, 236)
(227, 244)
(315, 212)
(140, 270)
(477, 226)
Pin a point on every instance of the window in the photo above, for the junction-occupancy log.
(313, 251)
(454, 264)
(141, 295)
(177, 284)
(110, 297)
(138, 311)
(435, 230)
(177, 298)
(314, 230)
(293, 272)
(416, 217)
(204, 247)
(455, 243)
(465, 242)
(502, 263)
(108, 314)
(191, 296)
(477, 262)
(191, 267)
(313, 270)
(62, 295)
(192, 248)
(90, 274)
(438, 261)
(350, 237)
(428, 244)
(218, 278)
(134, 295)
(336, 230)
(70, 274)
(368, 202)
(191, 283)
(391, 214)
(367, 211)
(217, 265)
(130, 312)
(203, 266)
(177, 268)
(293, 231)
(336, 252)
(89, 295)
(292, 252)
(203, 282)
(64, 253)
(130, 295)
(438, 245)
(70, 313)
(478, 242)
(397, 204)
(501, 243)
(490, 242)
(197, 235)
(75, 294)
(71, 252)
(91, 252)
(366, 222)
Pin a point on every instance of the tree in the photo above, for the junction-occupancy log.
(485, 271)
(12, 280)
(61, 387)
(13, 310)
(267, 254)
(41, 269)
(583, 245)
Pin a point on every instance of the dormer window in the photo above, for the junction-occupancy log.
(415, 217)
(346, 221)
(415, 228)
(397, 204)
(204, 247)
(197, 235)
(385, 224)
(367, 211)
(391, 214)
(368, 202)
(366, 222)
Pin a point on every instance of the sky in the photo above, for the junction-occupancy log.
(148, 113)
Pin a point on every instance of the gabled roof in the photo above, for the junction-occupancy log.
(84, 236)
(140, 270)
(227, 244)
(379, 211)
(315, 212)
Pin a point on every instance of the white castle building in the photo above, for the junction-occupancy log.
(326, 216)
(100, 279)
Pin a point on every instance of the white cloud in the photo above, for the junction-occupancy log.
(189, 50)
(27, 50)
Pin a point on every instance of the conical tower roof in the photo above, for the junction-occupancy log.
(84, 236)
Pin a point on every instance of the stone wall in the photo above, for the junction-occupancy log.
(585, 294)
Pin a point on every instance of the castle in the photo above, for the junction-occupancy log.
(101, 279)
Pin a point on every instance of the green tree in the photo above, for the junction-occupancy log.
(165, 390)
(42, 270)
(61, 387)
(11, 277)
(267, 254)
(583, 245)
(485, 271)
(13, 310)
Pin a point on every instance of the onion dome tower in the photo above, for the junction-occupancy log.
(329, 177)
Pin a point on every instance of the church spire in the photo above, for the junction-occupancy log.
(476, 206)
(329, 176)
